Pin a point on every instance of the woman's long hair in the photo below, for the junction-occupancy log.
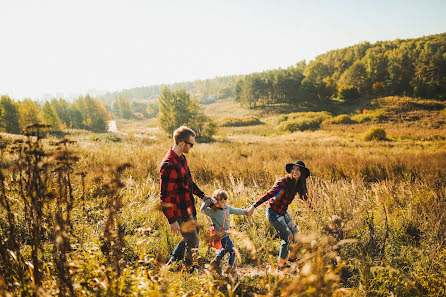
(302, 184)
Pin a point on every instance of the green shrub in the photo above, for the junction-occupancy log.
(94, 137)
(348, 93)
(320, 116)
(113, 138)
(377, 116)
(375, 133)
(300, 125)
(340, 119)
(239, 122)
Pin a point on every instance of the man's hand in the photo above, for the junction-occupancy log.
(250, 210)
(205, 197)
(175, 227)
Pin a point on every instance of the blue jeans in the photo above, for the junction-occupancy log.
(228, 247)
(285, 226)
(187, 246)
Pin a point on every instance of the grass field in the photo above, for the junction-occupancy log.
(100, 231)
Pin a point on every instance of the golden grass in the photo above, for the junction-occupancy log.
(389, 195)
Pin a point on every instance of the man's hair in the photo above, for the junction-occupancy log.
(182, 134)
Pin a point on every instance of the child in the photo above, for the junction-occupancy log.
(217, 209)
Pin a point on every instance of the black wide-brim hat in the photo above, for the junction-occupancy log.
(305, 171)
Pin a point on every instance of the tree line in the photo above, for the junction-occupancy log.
(222, 87)
(412, 67)
(84, 113)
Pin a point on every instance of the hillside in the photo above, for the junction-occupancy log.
(402, 67)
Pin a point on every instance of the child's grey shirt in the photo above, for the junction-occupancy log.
(218, 215)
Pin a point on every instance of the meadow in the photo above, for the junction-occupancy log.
(82, 218)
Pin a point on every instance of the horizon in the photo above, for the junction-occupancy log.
(69, 49)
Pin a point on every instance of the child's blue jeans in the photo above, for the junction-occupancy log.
(228, 247)
(285, 226)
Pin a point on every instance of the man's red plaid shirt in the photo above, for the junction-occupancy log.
(177, 188)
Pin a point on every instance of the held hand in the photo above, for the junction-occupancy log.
(205, 197)
(213, 201)
(175, 227)
(250, 210)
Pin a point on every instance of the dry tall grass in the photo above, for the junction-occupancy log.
(113, 240)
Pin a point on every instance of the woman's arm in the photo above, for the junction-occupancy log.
(280, 184)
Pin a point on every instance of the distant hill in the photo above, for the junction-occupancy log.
(402, 67)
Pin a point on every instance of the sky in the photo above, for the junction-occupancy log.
(61, 48)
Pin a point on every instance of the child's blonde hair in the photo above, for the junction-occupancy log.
(220, 194)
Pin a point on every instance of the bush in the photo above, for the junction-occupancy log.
(237, 122)
(348, 93)
(112, 138)
(320, 116)
(375, 133)
(377, 116)
(300, 125)
(340, 119)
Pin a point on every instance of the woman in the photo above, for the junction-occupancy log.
(279, 197)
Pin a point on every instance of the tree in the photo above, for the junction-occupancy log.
(315, 79)
(177, 109)
(91, 112)
(50, 116)
(125, 110)
(29, 113)
(9, 116)
(62, 109)
(355, 77)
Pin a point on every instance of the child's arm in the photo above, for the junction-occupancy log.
(204, 207)
(236, 211)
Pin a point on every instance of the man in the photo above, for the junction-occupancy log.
(176, 194)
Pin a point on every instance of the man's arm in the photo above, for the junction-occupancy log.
(166, 185)
(196, 191)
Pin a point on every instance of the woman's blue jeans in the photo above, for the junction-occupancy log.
(285, 226)
(228, 247)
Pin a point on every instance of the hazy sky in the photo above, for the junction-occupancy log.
(59, 46)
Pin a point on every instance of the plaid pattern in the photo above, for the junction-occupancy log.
(280, 196)
(177, 187)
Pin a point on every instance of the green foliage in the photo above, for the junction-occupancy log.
(340, 119)
(239, 122)
(125, 110)
(9, 116)
(29, 113)
(348, 93)
(62, 109)
(319, 116)
(92, 113)
(300, 125)
(378, 116)
(375, 133)
(177, 109)
(50, 116)
(109, 137)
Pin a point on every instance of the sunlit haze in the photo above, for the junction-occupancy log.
(66, 48)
